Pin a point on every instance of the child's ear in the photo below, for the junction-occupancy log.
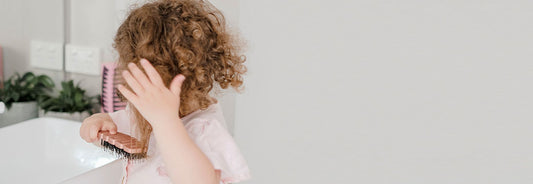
(175, 85)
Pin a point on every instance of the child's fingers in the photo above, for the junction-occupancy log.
(175, 85)
(152, 73)
(139, 75)
(128, 94)
(93, 133)
(135, 86)
(84, 134)
(111, 127)
(85, 128)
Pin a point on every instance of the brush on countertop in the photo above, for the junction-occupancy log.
(122, 145)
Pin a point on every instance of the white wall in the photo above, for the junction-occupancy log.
(22, 21)
(94, 24)
(380, 92)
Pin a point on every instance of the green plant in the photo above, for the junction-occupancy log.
(71, 99)
(27, 88)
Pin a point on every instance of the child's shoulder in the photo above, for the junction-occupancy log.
(211, 118)
(213, 113)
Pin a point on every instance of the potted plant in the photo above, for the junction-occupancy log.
(20, 95)
(72, 103)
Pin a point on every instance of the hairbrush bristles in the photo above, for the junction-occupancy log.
(122, 145)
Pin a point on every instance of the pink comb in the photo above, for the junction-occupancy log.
(111, 102)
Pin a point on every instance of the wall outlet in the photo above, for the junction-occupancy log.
(47, 55)
(84, 60)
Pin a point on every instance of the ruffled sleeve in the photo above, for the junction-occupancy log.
(218, 145)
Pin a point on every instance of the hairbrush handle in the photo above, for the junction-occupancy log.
(122, 141)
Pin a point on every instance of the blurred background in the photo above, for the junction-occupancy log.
(379, 92)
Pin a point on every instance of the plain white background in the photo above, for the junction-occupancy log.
(380, 92)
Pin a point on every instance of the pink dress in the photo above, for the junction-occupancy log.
(208, 130)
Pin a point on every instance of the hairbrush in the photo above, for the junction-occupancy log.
(122, 145)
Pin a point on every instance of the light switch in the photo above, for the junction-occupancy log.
(47, 55)
(84, 60)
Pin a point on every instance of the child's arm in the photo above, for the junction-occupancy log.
(159, 105)
(185, 162)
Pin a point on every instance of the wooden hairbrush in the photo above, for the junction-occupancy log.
(122, 145)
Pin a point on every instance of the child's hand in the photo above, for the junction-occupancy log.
(92, 125)
(156, 103)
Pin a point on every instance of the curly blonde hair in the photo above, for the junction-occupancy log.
(187, 37)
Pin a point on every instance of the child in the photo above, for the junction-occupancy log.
(172, 53)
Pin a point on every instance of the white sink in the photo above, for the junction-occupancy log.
(48, 150)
